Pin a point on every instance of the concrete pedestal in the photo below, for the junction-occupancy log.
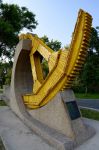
(52, 122)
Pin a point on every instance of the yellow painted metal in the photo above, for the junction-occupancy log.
(63, 65)
(53, 59)
(34, 73)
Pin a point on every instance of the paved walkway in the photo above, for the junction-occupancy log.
(91, 103)
(17, 136)
(93, 143)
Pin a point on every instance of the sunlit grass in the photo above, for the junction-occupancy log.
(87, 96)
(2, 103)
(1, 90)
(1, 145)
(91, 114)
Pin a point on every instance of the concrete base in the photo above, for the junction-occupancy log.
(52, 122)
(55, 115)
(16, 136)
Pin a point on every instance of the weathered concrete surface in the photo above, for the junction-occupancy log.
(55, 115)
(93, 143)
(21, 80)
(16, 136)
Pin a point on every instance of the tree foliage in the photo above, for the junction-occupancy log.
(13, 19)
(89, 76)
(53, 44)
(5, 73)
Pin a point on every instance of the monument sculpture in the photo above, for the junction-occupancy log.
(63, 65)
(48, 105)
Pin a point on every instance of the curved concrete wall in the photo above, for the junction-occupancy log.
(21, 81)
(53, 114)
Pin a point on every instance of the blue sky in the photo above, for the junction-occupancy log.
(57, 18)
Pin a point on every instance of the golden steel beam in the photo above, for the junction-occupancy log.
(64, 65)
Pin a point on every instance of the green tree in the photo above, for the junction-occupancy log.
(89, 76)
(13, 19)
(53, 44)
(5, 73)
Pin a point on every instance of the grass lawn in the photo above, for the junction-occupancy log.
(1, 90)
(2, 103)
(1, 145)
(87, 96)
(91, 114)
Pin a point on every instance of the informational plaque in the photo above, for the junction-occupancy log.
(73, 110)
